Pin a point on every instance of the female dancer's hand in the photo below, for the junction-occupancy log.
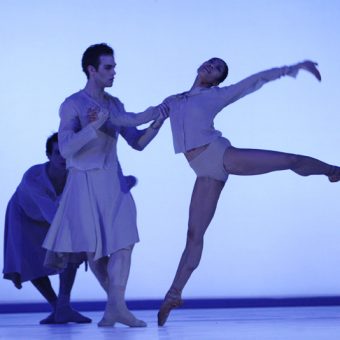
(310, 66)
(163, 109)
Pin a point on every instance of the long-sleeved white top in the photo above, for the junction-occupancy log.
(87, 145)
(192, 113)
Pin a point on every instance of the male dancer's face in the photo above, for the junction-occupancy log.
(105, 74)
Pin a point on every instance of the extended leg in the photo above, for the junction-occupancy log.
(255, 162)
(202, 209)
(116, 310)
(43, 284)
(64, 312)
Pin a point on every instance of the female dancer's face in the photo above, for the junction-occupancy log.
(211, 71)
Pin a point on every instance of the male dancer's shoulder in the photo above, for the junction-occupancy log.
(75, 97)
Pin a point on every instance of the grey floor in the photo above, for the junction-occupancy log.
(312, 323)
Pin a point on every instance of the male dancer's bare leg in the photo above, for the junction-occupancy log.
(118, 270)
(64, 313)
(43, 284)
(99, 269)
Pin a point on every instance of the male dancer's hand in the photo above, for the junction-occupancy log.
(97, 117)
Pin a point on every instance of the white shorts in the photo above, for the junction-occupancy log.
(209, 163)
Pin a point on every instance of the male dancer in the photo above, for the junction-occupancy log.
(29, 214)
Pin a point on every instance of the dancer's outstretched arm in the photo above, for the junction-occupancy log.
(135, 119)
(118, 116)
(256, 81)
(139, 139)
(73, 137)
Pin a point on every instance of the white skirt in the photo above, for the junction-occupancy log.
(95, 215)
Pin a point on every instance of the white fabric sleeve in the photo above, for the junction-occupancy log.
(253, 83)
(71, 136)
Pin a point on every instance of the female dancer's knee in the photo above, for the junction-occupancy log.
(195, 237)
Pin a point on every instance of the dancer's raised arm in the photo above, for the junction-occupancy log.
(257, 80)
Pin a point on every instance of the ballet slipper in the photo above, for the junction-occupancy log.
(66, 314)
(171, 301)
(49, 320)
(127, 320)
(334, 178)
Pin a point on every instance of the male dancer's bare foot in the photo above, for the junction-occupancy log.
(172, 300)
(124, 317)
(67, 314)
(48, 320)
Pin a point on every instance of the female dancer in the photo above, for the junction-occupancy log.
(213, 158)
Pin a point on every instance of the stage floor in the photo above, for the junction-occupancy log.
(298, 323)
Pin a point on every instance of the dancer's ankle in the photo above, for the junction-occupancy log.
(174, 292)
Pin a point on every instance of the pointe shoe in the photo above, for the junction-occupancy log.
(170, 302)
(67, 314)
(49, 320)
(334, 178)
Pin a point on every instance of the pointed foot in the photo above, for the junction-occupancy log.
(170, 302)
(334, 178)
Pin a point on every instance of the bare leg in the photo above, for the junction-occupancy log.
(43, 284)
(64, 312)
(116, 310)
(99, 269)
(202, 209)
(255, 162)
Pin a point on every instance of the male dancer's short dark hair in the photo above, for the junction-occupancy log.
(49, 143)
(92, 54)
